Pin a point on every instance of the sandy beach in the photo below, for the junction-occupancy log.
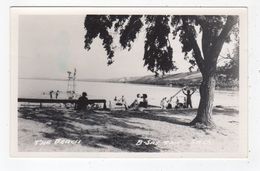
(57, 129)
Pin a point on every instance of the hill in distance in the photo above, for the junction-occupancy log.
(180, 79)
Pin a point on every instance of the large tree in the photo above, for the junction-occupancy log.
(158, 52)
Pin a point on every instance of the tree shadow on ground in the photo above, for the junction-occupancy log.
(99, 129)
(90, 128)
(151, 115)
(229, 111)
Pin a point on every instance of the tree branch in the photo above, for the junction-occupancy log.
(197, 54)
(205, 42)
(231, 21)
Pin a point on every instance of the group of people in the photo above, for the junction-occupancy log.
(55, 93)
(187, 102)
(140, 101)
(120, 102)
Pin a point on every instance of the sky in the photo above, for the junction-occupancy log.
(51, 45)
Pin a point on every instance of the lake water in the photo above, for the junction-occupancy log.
(29, 88)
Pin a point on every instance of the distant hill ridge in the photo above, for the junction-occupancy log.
(180, 79)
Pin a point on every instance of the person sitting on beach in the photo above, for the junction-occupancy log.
(139, 99)
(82, 102)
(177, 100)
(144, 103)
(118, 101)
(123, 101)
(188, 94)
(178, 103)
(136, 102)
(169, 104)
(163, 103)
(115, 99)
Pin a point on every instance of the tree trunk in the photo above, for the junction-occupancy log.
(204, 112)
(207, 67)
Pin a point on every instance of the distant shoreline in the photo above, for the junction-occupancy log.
(177, 84)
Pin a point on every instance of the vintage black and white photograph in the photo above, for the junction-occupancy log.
(168, 81)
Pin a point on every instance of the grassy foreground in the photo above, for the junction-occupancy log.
(53, 128)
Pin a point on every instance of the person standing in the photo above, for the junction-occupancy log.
(51, 92)
(188, 94)
(57, 94)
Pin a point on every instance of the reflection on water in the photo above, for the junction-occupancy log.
(35, 89)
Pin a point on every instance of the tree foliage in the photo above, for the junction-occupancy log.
(231, 68)
(158, 52)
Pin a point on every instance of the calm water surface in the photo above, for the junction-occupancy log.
(30, 88)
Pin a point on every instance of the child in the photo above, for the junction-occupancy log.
(188, 94)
